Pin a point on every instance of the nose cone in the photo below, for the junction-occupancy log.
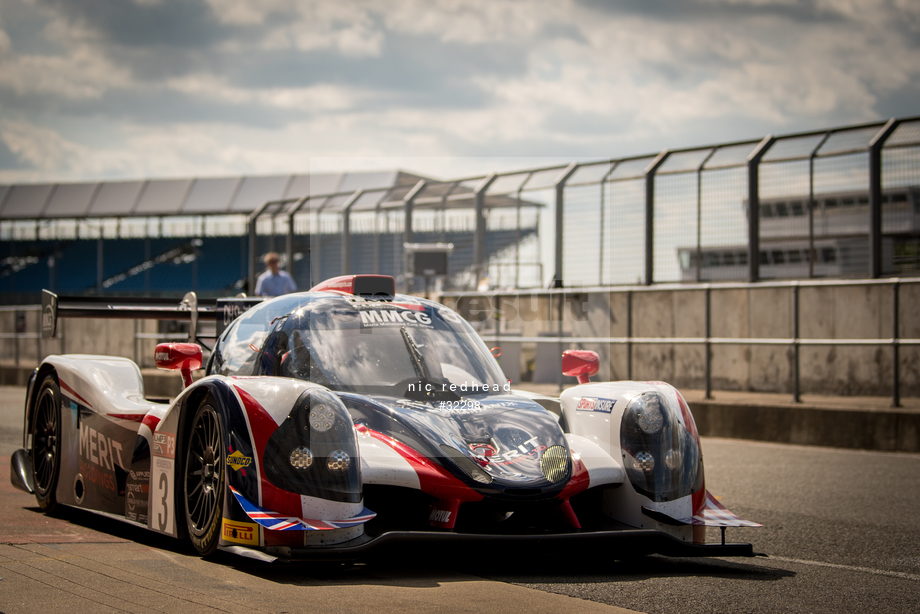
(516, 442)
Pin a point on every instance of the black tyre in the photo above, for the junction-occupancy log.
(46, 443)
(205, 466)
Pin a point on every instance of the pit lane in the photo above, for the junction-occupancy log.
(840, 534)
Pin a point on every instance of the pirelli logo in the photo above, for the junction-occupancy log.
(241, 532)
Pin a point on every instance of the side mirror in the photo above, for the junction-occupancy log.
(182, 357)
(581, 364)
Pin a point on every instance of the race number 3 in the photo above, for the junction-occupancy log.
(161, 480)
(163, 507)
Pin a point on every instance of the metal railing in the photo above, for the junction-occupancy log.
(795, 342)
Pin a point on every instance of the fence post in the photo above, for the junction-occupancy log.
(600, 269)
(699, 212)
(796, 391)
(708, 347)
(875, 197)
(629, 329)
(560, 203)
(251, 223)
(895, 347)
(753, 165)
(408, 233)
(650, 216)
(479, 235)
(346, 231)
(100, 261)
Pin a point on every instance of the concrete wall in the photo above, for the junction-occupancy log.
(75, 336)
(758, 311)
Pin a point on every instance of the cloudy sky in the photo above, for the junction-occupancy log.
(105, 89)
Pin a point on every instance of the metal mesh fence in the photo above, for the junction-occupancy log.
(582, 205)
(842, 202)
(723, 227)
(901, 199)
(812, 200)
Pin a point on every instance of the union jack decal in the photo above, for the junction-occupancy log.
(715, 514)
(279, 522)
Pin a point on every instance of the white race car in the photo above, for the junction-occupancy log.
(337, 423)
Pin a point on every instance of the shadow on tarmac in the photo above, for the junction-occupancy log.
(431, 569)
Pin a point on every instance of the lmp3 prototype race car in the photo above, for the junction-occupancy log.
(334, 423)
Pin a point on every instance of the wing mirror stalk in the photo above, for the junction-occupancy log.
(581, 364)
(182, 357)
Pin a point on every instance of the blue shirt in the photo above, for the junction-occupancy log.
(274, 285)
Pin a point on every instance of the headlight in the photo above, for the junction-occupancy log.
(555, 463)
(662, 459)
(321, 418)
(642, 461)
(646, 411)
(311, 452)
(338, 462)
(301, 458)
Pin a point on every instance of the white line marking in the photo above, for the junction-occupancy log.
(877, 572)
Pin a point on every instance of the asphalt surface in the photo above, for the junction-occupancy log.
(841, 535)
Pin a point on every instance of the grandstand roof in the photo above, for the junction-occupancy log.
(234, 195)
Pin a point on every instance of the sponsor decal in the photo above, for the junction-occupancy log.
(604, 406)
(98, 449)
(48, 321)
(440, 516)
(529, 449)
(482, 449)
(359, 303)
(137, 494)
(164, 444)
(390, 317)
(97, 476)
(238, 461)
(240, 532)
(231, 312)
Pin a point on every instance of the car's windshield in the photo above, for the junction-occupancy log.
(383, 348)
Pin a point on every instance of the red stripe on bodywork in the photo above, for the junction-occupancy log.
(579, 481)
(698, 502)
(131, 417)
(73, 393)
(262, 426)
(433, 479)
(151, 422)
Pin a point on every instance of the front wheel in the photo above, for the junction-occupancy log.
(46, 444)
(204, 480)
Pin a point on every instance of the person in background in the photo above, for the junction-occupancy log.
(274, 281)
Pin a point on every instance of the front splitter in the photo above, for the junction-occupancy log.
(617, 544)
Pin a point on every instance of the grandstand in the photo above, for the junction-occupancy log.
(166, 237)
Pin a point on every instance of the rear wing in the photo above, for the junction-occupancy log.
(190, 309)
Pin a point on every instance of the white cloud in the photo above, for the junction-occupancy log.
(82, 74)
(54, 157)
(317, 98)
(582, 80)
